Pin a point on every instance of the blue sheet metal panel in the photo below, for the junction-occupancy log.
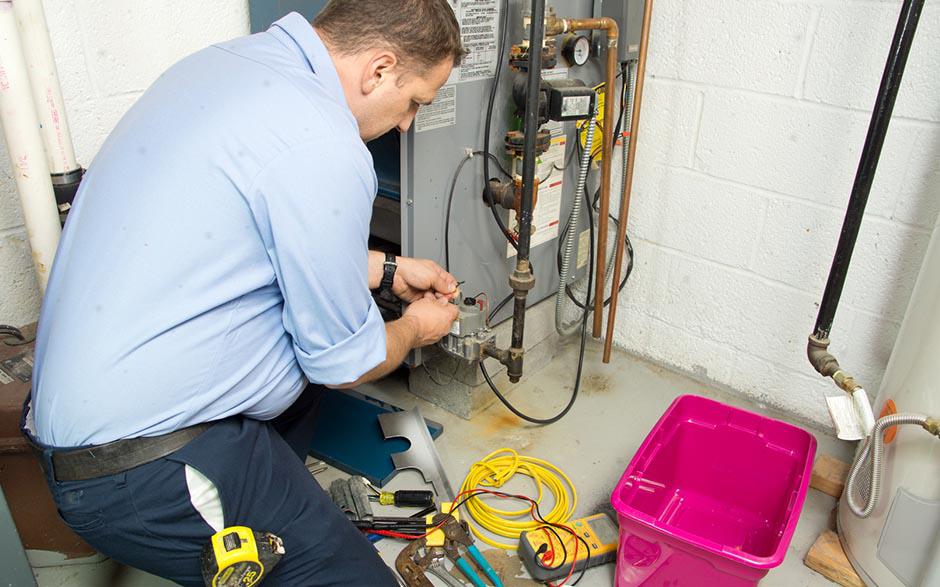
(348, 435)
(262, 13)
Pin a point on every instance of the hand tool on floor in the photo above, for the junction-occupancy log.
(355, 494)
(457, 534)
(405, 498)
(426, 555)
(548, 552)
(240, 557)
(352, 497)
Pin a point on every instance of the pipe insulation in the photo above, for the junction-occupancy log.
(44, 79)
(572, 234)
(24, 143)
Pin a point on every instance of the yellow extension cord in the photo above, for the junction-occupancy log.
(493, 472)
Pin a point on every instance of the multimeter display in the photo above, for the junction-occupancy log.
(546, 559)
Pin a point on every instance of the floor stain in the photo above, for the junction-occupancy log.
(508, 566)
(596, 384)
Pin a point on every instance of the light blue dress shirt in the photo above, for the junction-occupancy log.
(216, 257)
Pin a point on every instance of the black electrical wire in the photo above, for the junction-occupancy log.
(577, 377)
(487, 192)
(538, 518)
(450, 197)
(13, 336)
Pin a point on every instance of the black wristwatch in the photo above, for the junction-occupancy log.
(388, 276)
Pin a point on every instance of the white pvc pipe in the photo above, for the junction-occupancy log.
(24, 143)
(44, 79)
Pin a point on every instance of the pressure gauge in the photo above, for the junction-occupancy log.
(576, 49)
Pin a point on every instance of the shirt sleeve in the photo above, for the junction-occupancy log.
(313, 205)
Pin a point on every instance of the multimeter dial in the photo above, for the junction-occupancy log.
(576, 49)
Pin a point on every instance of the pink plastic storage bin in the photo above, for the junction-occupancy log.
(711, 498)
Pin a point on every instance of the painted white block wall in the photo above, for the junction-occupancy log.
(107, 52)
(754, 118)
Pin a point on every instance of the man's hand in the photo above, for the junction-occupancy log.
(430, 317)
(416, 278)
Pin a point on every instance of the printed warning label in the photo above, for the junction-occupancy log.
(440, 113)
(479, 26)
(545, 216)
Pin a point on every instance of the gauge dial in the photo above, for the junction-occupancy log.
(577, 49)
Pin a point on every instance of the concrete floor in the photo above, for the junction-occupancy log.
(593, 444)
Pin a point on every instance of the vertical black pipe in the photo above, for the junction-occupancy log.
(522, 280)
(871, 152)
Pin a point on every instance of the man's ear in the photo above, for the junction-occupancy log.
(379, 71)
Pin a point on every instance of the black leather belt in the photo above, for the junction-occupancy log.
(115, 457)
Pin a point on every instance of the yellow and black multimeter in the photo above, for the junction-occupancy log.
(546, 560)
(239, 556)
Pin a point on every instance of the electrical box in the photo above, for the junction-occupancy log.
(629, 17)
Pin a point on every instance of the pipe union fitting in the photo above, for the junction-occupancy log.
(521, 280)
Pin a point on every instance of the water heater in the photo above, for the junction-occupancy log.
(899, 543)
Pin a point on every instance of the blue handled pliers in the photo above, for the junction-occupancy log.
(457, 535)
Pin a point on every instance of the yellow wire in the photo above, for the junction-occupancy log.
(494, 471)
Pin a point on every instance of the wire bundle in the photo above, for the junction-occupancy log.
(494, 471)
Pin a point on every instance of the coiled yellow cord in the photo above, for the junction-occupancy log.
(494, 471)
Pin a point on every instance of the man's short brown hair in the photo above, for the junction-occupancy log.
(419, 32)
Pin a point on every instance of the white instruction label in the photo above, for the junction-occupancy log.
(4, 378)
(479, 27)
(440, 113)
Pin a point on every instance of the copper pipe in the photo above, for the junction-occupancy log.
(628, 182)
(558, 26)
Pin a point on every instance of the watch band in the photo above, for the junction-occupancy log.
(388, 275)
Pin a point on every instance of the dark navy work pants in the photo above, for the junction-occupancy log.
(144, 517)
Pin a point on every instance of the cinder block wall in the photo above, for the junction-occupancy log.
(753, 121)
(107, 52)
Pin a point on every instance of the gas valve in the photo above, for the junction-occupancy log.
(469, 333)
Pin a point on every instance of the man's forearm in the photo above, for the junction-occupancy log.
(401, 336)
(376, 268)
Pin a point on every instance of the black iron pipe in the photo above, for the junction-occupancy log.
(871, 152)
(531, 128)
(522, 279)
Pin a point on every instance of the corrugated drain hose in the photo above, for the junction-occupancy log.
(864, 484)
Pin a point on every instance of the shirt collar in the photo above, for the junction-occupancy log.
(299, 32)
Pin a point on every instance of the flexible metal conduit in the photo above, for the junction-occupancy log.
(817, 348)
(869, 462)
(572, 233)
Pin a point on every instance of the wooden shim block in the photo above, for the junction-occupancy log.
(829, 475)
(827, 558)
